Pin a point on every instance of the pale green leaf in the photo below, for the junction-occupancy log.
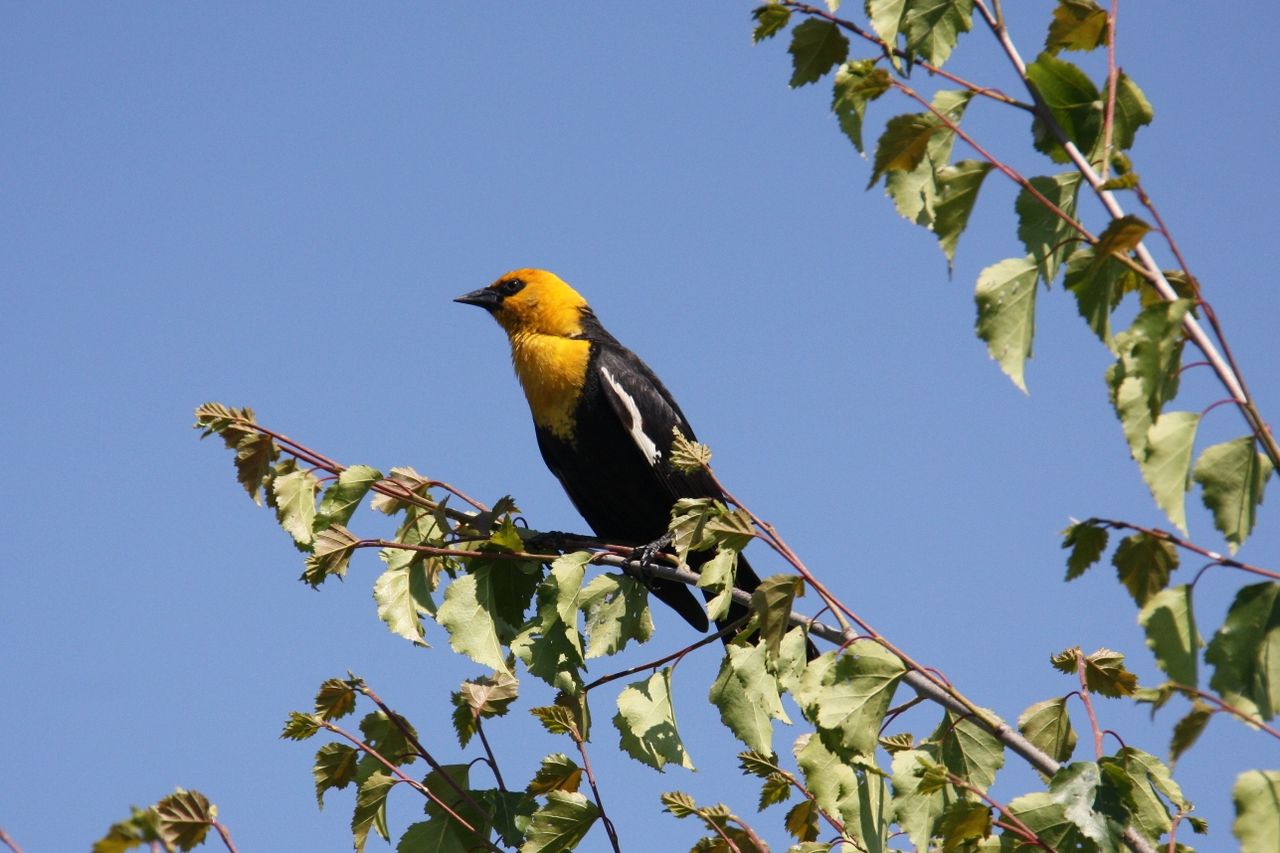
(1256, 795)
(1048, 725)
(1166, 466)
(616, 611)
(561, 823)
(917, 807)
(968, 750)
(747, 696)
(1170, 626)
(295, 503)
(1006, 298)
(1233, 475)
(371, 808)
(343, 496)
(646, 720)
(556, 773)
(852, 791)
(958, 186)
(858, 82)
(932, 27)
(847, 698)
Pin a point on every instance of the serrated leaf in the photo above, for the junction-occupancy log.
(330, 556)
(847, 698)
(561, 823)
(758, 763)
(1074, 101)
(295, 503)
(255, 454)
(902, 146)
(125, 835)
(408, 479)
(1132, 111)
(646, 720)
(770, 19)
(772, 602)
(716, 578)
(1256, 795)
(342, 497)
(183, 819)
(371, 808)
(1047, 236)
(1188, 730)
(816, 47)
(775, 789)
(550, 644)
(858, 82)
(801, 821)
(1106, 675)
(1078, 790)
(1145, 375)
(1144, 783)
(747, 696)
(886, 20)
(1006, 298)
(1170, 626)
(958, 186)
(1048, 725)
(1166, 466)
(932, 27)
(556, 773)
(918, 804)
(1143, 564)
(688, 456)
(300, 726)
(390, 738)
(915, 183)
(402, 594)
(1245, 651)
(1077, 25)
(689, 517)
(968, 750)
(466, 614)
(1098, 288)
(1232, 476)
(962, 823)
(335, 699)
(616, 611)
(335, 767)
(1121, 236)
(556, 719)
(852, 791)
(1087, 542)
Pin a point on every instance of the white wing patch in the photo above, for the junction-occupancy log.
(643, 441)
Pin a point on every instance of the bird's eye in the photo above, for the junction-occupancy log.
(510, 286)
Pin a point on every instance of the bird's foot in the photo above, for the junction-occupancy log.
(646, 554)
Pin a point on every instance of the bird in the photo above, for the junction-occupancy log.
(604, 423)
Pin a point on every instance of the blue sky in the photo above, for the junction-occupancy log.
(273, 206)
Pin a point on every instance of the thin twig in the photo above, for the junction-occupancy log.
(224, 835)
(1083, 693)
(1109, 114)
(707, 640)
(1226, 707)
(493, 762)
(1015, 824)
(1165, 536)
(595, 791)
(8, 841)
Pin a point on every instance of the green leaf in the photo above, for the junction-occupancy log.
(689, 517)
(1077, 25)
(1074, 101)
(856, 792)
(918, 804)
(509, 812)
(390, 739)
(616, 608)
(341, 499)
(886, 20)
(557, 720)
(1132, 111)
(335, 699)
(300, 726)
(858, 82)
(847, 698)
(124, 835)
(816, 47)
(770, 20)
(747, 696)
(802, 821)
(1079, 790)
(335, 767)
(1120, 237)
(1144, 783)
(183, 819)
(717, 577)
(408, 479)
(1048, 237)
(772, 601)
(688, 456)
(1166, 466)
(1233, 475)
(1145, 375)
(1245, 652)
(962, 823)
(1256, 795)
(646, 719)
(1188, 730)
(902, 147)
(775, 789)
(932, 27)
(1098, 288)
(371, 808)
(1006, 297)
(968, 750)
(550, 644)
(1087, 541)
(481, 698)
(402, 593)
(467, 614)
(561, 823)
(295, 503)
(1170, 626)
(1048, 725)
(557, 773)
(442, 832)
(958, 186)
(331, 556)
(1143, 564)
(914, 183)
(1106, 675)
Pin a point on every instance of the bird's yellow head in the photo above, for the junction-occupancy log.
(531, 302)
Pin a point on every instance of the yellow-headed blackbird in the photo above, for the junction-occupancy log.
(604, 421)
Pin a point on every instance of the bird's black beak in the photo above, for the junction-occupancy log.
(487, 299)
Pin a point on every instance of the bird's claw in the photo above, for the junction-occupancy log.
(646, 554)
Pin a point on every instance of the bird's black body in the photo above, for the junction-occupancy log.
(625, 496)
